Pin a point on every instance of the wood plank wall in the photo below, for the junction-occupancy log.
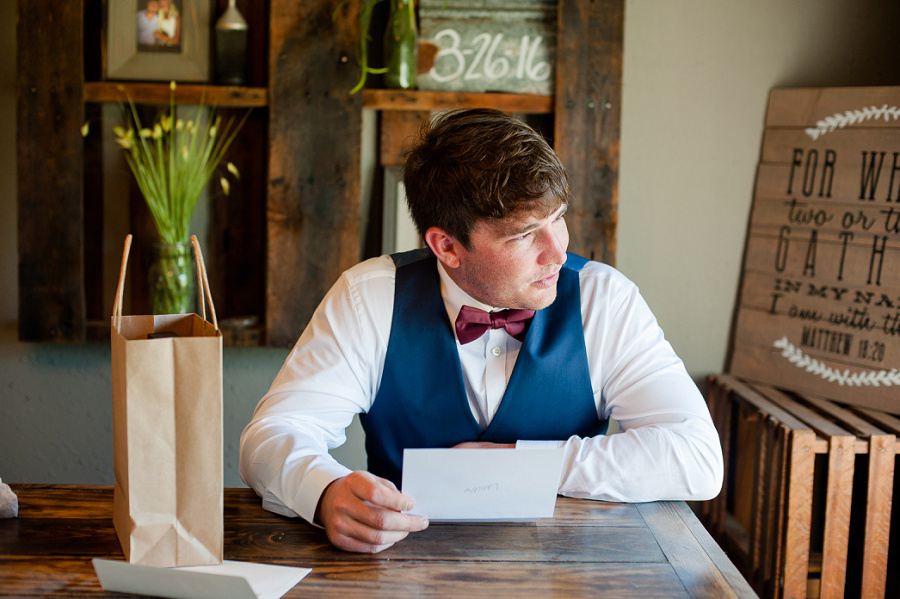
(315, 130)
(588, 113)
(50, 111)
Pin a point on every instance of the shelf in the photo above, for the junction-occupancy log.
(385, 99)
(158, 93)
(294, 222)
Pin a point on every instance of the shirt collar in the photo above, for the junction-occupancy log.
(455, 298)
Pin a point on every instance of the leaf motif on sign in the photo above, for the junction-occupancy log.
(851, 117)
(869, 378)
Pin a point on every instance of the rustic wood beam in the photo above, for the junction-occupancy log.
(588, 112)
(49, 171)
(314, 166)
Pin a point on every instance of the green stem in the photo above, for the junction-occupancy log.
(172, 279)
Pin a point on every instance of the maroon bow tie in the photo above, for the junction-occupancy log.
(472, 323)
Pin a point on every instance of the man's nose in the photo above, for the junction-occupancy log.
(556, 242)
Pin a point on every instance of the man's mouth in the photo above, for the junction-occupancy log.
(547, 281)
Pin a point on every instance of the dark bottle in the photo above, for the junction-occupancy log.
(231, 47)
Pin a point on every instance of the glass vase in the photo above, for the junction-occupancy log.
(172, 278)
(400, 46)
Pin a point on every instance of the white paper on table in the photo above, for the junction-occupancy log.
(228, 580)
(482, 484)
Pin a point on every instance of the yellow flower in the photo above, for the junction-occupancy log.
(233, 170)
(183, 154)
(85, 129)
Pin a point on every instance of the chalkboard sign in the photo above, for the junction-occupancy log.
(819, 309)
(488, 45)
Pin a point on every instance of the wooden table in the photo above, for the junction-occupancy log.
(589, 549)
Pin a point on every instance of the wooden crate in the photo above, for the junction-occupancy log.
(806, 506)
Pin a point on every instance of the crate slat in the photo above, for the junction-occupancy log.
(878, 515)
(759, 508)
(886, 421)
(767, 408)
(799, 512)
(821, 425)
(841, 458)
(850, 420)
(777, 445)
(777, 559)
(713, 511)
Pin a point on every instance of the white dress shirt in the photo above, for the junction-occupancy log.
(668, 447)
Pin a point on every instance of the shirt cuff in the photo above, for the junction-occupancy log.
(539, 444)
(314, 483)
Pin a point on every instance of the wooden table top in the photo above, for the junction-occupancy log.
(589, 549)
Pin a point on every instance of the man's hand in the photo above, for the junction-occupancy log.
(484, 445)
(361, 512)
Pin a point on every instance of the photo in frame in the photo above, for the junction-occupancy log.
(158, 40)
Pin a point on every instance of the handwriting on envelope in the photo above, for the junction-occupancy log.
(482, 484)
(483, 488)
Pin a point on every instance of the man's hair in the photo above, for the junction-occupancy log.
(481, 164)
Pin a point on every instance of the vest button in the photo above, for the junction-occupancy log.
(496, 351)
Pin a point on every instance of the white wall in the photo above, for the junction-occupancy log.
(696, 77)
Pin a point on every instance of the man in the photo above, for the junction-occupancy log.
(397, 339)
(148, 24)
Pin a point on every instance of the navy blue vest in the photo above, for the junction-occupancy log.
(422, 402)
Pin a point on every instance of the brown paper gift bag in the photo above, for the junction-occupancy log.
(167, 432)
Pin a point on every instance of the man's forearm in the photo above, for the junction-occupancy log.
(288, 472)
(644, 464)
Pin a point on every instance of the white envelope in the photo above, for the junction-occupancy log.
(229, 580)
(482, 484)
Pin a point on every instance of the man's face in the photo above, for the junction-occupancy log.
(152, 7)
(515, 262)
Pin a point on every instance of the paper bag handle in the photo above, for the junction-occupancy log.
(202, 281)
(203, 290)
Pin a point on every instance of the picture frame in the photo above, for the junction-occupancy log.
(148, 40)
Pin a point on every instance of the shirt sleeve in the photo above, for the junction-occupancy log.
(669, 448)
(330, 375)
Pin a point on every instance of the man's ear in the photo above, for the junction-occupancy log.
(444, 246)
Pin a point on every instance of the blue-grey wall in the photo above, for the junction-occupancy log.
(56, 408)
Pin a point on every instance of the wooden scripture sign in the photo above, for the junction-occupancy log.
(488, 45)
(819, 309)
